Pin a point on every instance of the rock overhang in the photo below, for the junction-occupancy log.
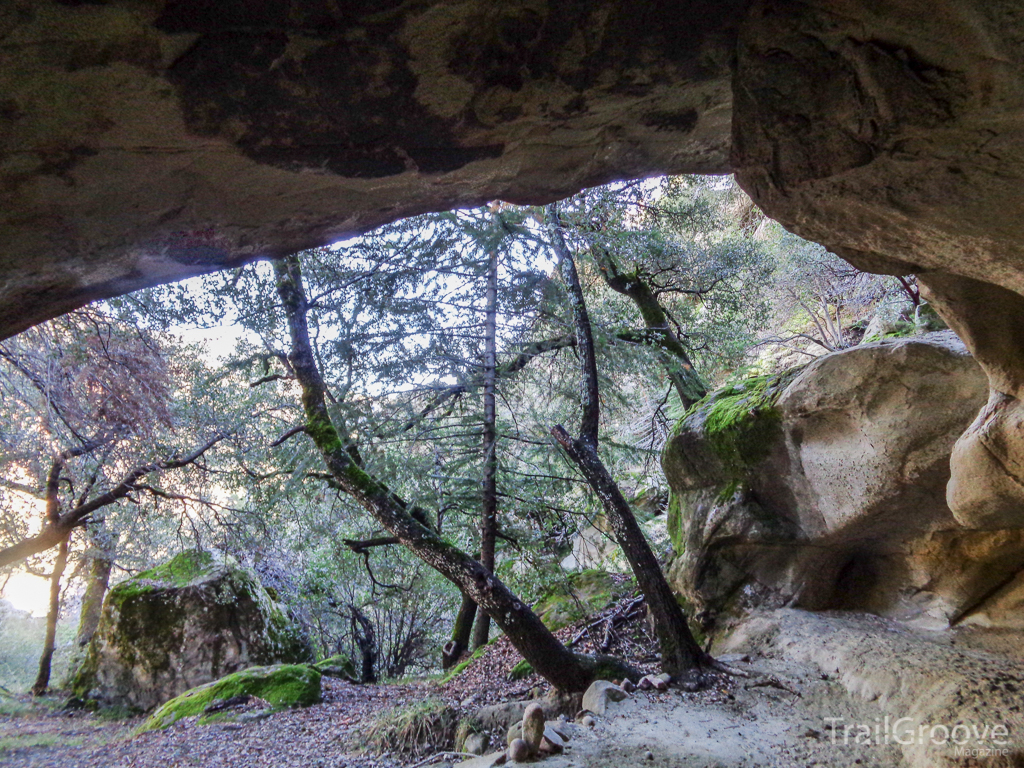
(143, 142)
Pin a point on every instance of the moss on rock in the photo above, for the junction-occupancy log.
(282, 685)
(740, 422)
(182, 624)
(337, 666)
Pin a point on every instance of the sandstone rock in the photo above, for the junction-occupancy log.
(656, 682)
(476, 743)
(188, 622)
(484, 761)
(533, 726)
(506, 714)
(438, 105)
(558, 728)
(881, 208)
(600, 695)
(519, 751)
(515, 731)
(827, 489)
(552, 742)
(340, 667)
(903, 673)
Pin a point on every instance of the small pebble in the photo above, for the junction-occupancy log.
(648, 755)
(588, 721)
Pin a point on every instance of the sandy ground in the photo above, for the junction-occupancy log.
(774, 720)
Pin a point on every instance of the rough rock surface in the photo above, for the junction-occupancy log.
(893, 134)
(600, 695)
(826, 489)
(183, 624)
(925, 684)
(533, 726)
(142, 141)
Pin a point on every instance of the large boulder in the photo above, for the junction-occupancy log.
(185, 623)
(825, 488)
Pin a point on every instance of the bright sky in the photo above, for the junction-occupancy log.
(27, 593)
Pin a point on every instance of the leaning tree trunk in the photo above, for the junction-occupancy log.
(489, 517)
(532, 639)
(92, 609)
(679, 650)
(461, 633)
(42, 682)
(103, 545)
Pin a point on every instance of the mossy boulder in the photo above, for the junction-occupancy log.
(280, 685)
(338, 666)
(825, 488)
(185, 623)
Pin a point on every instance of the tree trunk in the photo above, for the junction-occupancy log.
(100, 556)
(92, 601)
(459, 644)
(532, 639)
(489, 518)
(366, 641)
(677, 362)
(679, 650)
(42, 682)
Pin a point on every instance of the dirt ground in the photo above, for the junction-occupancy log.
(801, 674)
(740, 724)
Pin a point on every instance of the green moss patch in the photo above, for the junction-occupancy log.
(181, 570)
(282, 685)
(463, 665)
(521, 670)
(337, 666)
(740, 422)
(676, 529)
(578, 596)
